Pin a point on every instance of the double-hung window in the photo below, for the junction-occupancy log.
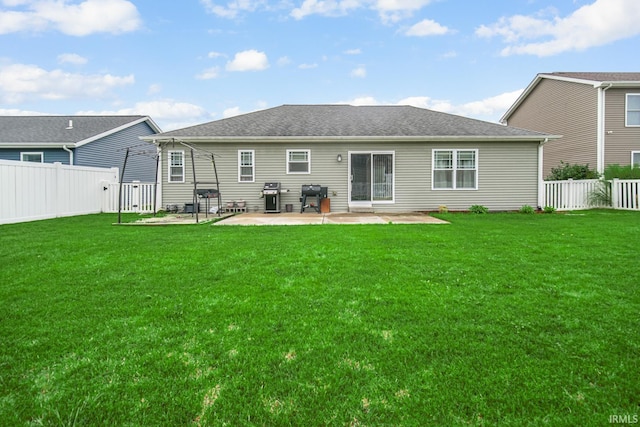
(455, 169)
(176, 166)
(246, 166)
(32, 157)
(635, 159)
(298, 161)
(632, 117)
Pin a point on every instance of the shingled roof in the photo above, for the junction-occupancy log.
(57, 130)
(608, 77)
(346, 121)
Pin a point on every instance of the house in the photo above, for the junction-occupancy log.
(99, 141)
(370, 158)
(597, 114)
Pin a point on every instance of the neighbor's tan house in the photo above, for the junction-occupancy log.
(597, 114)
(371, 158)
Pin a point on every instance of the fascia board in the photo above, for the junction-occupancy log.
(31, 145)
(354, 139)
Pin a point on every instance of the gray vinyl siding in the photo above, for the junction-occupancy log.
(51, 155)
(562, 108)
(110, 151)
(620, 141)
(507, 175)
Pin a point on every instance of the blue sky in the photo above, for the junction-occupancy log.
(192, 61)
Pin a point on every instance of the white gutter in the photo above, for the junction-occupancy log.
(601, 131)
(64, 147)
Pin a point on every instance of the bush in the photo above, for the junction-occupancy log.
(479, 209)
(526, 209)
(621, 172)
(568, 171)
(549, 209)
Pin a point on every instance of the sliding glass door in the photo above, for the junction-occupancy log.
(371, 177)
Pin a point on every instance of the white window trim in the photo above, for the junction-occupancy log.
(455, 169)
(632, 154)
(23, 153)
(626, 110)
(253, 166)
(169, 180)
(308, 161)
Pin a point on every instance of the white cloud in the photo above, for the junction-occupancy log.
(307, 66)
(87, 17)
(248, 60)
(352, 52)
(168, 113)
(596, 24)
(72, 58)
(232, 8)
(209, 73)
(230, 112)
(490, 109)
(213, 55)
(283, 61)
(154, 89)
(360, 72)
(427, 27)
(388, 10)
(487, 108)
(19, 82)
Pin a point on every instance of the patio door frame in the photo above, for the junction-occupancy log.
(372, 174)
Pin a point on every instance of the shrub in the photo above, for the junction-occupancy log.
(549, 209)
(601, 195)
(479, 209)
(526, 209)
(568, 171)
(621, 172)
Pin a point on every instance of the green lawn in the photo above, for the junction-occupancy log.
(499, 319)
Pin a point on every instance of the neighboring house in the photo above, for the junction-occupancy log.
(376, 158)
(99, 141)
(597, 114)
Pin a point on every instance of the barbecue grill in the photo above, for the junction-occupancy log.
(271, 192)
(312, 190)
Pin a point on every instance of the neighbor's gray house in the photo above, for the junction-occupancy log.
(98, 141)
(597, 114)
(371, 158)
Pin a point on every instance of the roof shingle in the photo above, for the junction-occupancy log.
(347, 121)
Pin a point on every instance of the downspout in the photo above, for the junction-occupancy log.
(64, 147)
(601, 131)
(541, 189)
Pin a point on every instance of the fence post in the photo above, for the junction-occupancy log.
(614, 193)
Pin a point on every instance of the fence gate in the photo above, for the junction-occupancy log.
(137, 197)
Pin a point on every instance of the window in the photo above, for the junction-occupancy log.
(633, 109)
(32, 157)
(635, 159)
(246, 166)
(176, 166)
(298, 161)
(455, 169)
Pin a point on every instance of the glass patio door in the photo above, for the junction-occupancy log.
(360, 177)
(371, 177)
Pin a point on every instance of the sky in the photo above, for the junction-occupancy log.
(188, 62)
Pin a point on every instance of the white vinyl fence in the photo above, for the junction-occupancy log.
(578, 194)
(137, 197)
(32, 191)
(624, 194)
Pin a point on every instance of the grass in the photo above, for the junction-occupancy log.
(500, 319)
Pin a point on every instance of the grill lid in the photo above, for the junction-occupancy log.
(311, 190)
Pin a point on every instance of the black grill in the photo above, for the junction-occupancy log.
(311, 190)
(271, 193)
